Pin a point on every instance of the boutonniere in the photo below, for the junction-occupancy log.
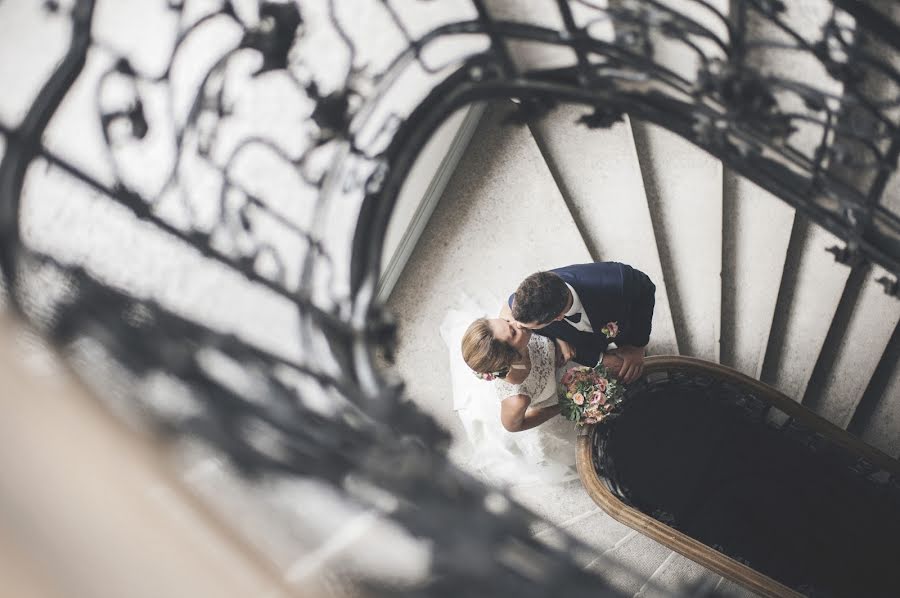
(611, 330)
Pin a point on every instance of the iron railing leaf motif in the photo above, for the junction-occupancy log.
(297, 201)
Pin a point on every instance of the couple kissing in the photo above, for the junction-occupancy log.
(569, 314)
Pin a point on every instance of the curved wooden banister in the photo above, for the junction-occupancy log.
(680, 542)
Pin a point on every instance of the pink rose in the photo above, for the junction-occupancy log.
(598, 398)
(602, 384)
(568, 377)
(578, 398)
(611, 330)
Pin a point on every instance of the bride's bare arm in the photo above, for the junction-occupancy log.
(564, 351)
(516, 415)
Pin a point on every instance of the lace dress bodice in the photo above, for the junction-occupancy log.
(540, 384)
(542, 455)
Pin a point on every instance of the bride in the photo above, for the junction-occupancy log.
(521, 366)
(505, 380)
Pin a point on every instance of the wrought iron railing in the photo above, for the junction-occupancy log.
(366, 84)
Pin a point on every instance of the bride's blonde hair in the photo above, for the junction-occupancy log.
(485, 354)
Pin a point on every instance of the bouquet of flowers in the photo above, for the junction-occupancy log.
(587, 395)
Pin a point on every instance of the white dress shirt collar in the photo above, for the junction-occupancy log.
(585, 323)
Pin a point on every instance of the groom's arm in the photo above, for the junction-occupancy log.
(588, 347)
(640, 293)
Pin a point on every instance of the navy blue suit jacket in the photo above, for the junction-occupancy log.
(609, 292)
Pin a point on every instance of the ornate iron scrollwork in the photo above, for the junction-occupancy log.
(363, 110)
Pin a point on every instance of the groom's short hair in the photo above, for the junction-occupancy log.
(540, 298)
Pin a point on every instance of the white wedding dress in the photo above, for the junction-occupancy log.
(545, 454)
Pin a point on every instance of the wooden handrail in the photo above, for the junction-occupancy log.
(682, 543)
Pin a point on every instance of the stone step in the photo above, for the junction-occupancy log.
(629, 564)
(684, 191)
(731, 589)
(811, 290)
(877, 419)
(756, 231)
(235, 500)
(594, 528)
(310, 532)
(758, 225)
(564, 504)
(864, 318)
(598, 173)
(529, 55)
(856, 342)
(679, 576)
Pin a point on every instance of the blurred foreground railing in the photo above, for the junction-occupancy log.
(194, 198)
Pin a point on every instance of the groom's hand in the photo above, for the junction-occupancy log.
(613, 363)
(632, 362)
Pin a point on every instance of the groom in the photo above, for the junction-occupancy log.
(590, 306)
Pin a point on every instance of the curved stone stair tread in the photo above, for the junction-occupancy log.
(308, 531)
(882, 422)
(528, 55)
(684, 191)
(599, 175)
(576, 515)
(243, 505)
(756, 234)
(863, 321)
(501, 218)
(525, 54)
(564, 504)
(812, 357)
(811, 290)
(628, 566)
(594, 528)
(849, 360)
(679, 576)
(757, 225)
(731, 589)
(881, 400)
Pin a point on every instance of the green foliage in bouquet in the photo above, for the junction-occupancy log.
(587, 395)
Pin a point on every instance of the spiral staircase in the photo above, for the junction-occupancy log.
(238, 317)
(741, 280)
(525, 198)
